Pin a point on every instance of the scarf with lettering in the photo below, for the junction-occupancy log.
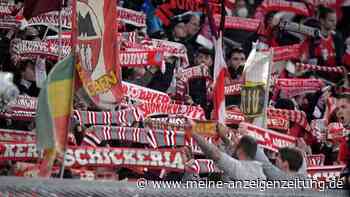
(24, 49)
(298, 117)
(293, 87)
(269, 139)
(17, 136)
(239, 23)
(131, 17)
(183, 77)
(143, 58)
(310, 67)
(287, 52)
(298, 8)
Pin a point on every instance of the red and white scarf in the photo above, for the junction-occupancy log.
(131, 17)
(298, 117)
(239, 23)
(142, 58)
(269, 139)
(17, 136)
(144, 94)
(288, 52)
(315, 160)
(310, 67)
(24, 49)
(298, 8)
(293, 87)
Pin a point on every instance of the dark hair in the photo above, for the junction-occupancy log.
(235, 50)
(293, 156)
(248, 145)
(324, 11)
(343, 96)
(284, 104)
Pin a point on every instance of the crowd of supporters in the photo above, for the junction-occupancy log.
(239, 157)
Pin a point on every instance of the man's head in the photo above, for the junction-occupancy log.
(343, 110)
(204, 56)
(27, 70)
(193, 26)
(246, 148)
(180, 31)
(236, 58)
(328, 19)
(289, 159)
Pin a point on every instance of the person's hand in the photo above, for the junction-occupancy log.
(222, 130)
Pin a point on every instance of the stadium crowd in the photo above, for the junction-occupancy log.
(239, 157)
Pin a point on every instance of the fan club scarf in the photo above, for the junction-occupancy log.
(298, 8)
(23, 49)
(299, 28)
(185, 75)
(22, 108)
(17, 136)
(144, 94)
(233, 89)
(165, 10)
(298, 117)
(293, 87)
(171, 49)
(151, 136)
(233, 22)
(288, 52)
(315, 160)
(325, 173)
(310, 67)
(131, 17)
(269, 139)
(142, 58)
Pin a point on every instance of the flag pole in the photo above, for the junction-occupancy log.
(267, 90)
(60, 54)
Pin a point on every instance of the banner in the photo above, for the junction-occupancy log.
(269, 139)
(96, 48)
(95, 157)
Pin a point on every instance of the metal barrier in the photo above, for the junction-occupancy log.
(33, 187)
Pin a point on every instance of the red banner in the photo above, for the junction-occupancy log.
(287, 52)
(142, 58)
(131, 17)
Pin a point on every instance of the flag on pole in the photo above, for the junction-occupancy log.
(96, 46)
(36, 7)
(220, 70)
(54, 109)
